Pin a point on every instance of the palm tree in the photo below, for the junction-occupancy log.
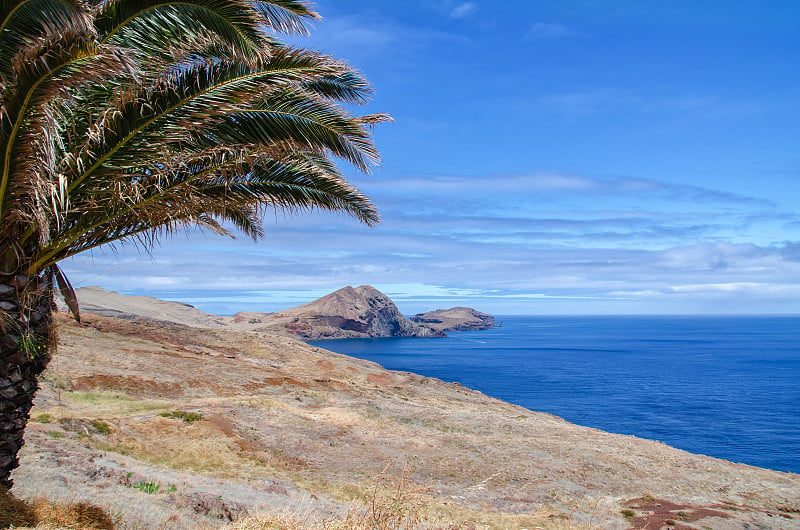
(136, 118)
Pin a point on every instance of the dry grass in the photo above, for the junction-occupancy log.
(114, 404)
(195, 447)
(392, 503)
(398, 502)
(42, 514)
(395, 502)
(314, 430)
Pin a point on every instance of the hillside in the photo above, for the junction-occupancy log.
(231, 423)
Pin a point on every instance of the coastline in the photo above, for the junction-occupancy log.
(284, 421)
(724, 388)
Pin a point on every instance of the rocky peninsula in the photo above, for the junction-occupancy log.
(350, 312)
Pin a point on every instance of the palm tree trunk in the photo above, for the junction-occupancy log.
(26, 307)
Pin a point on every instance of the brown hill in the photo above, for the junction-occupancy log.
(99, 301)
(455, 319)
(350, 312)
(166, 426)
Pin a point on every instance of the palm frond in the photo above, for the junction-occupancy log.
(303, 183)
(25, 21)
(127, 120)
(309, 123)
(48, 70)
(193, 109)
(286, 16)
(141, 23)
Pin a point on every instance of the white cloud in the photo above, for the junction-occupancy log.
(575, 243)
(626, 102)
(544, 30)
(464, 10)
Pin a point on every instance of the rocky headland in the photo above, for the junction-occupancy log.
(350, 312)
(455, 319)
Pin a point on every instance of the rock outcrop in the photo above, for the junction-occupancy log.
(455, 319)
(351, 312)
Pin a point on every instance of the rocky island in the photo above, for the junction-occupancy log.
(455, 319)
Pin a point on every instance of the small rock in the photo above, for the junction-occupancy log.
(212, 505)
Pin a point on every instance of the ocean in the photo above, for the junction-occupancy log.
(727, 387)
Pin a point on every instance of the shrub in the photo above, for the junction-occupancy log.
(152, 487)
(188, 417)
(44, 418)
(101, 427)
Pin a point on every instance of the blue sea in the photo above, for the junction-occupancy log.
(727, 387)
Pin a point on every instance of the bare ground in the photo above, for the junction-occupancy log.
(287, 427)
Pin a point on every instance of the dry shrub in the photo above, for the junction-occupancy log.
(15, 513)
(273, 522)
(80, 515)
(392, 503)
(199, 446)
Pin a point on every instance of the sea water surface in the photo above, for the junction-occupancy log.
(727, 387)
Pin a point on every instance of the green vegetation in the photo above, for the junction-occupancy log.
(32, 345)
(44, 418)
(188, 417)
(100, 426)
(628, 514)
(96, 397)
(115, 404)
(153, 488)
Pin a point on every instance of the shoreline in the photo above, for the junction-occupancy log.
(622, 392)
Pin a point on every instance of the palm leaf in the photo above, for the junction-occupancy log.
(67, 292)
(303, 182)
(202, 133)
(26, 21)
(130, 21)
(182, 109)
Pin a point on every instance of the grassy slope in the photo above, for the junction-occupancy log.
(303, 434)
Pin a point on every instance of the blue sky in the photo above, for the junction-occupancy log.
(570, 157)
